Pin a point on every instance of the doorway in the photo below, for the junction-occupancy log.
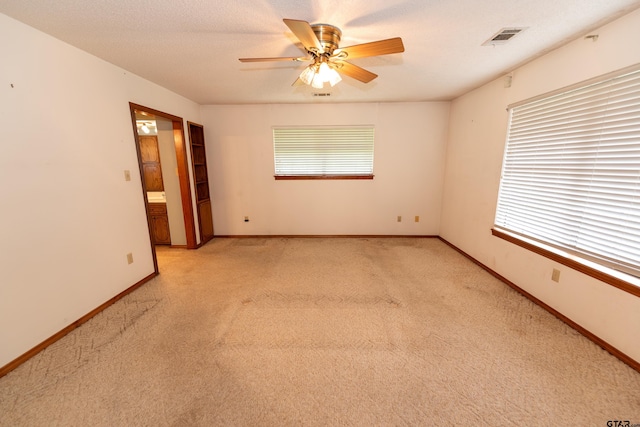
(175, 128)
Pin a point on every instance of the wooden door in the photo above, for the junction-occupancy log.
(159, 224)
(201, 177)
(151, 168)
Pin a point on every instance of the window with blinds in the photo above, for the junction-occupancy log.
(323, 152)
(571, 172)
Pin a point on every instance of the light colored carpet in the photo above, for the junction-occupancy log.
(321, 331)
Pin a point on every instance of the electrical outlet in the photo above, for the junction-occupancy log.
(129, 258)
(555, 275)
(399, 218)
(417, 218)
(127, 175)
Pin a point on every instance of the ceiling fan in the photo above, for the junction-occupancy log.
(321, 44)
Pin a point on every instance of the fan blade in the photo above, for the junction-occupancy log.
(356, 72)
(279, 58)
(298, 82)
(381, 47)
(303, 31)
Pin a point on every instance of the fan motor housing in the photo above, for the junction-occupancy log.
(328, 35)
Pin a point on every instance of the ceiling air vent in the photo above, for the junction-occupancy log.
(503, 36)
(321, 94)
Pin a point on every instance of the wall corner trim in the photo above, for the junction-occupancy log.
(4, 370)
(587, 334)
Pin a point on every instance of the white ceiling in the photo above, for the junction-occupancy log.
(192, 46)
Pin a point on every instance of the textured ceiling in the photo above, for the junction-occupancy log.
(192, 47)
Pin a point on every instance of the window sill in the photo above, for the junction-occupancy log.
(614, 278)
(298, 177)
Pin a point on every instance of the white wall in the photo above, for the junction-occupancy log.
(474, 158)
(408, 166)
(68, 217)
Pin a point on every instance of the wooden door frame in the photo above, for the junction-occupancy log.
(183, 174)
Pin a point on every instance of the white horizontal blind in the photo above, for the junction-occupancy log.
(571, 173)
(319, 151)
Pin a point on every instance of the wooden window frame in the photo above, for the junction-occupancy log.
(600, 268)
(607, 275)
(290, 144)
(329, 177)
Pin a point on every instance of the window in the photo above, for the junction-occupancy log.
(344, 152)
(571, 173)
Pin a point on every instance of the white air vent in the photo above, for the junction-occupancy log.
(503, 36)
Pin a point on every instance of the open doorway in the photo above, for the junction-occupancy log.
(169, 133)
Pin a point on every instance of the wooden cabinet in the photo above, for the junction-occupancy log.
(150, 154)
(159, 224)
(199, 163)
(206, 220)
(153, 177)
(199, 160)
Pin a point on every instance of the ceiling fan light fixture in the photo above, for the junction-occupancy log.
(316, 75)
(323, 72)
(334, 77)
(321, 44)
(308, 74)
(317, 82)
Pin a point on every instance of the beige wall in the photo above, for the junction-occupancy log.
(408, 166)
(68, 216)
(474, 158)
